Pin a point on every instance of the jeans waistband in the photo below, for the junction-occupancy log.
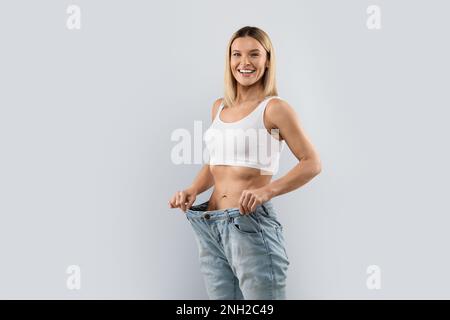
(199, 211)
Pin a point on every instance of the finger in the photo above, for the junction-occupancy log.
(183, 200)
(190, 202)
(241, 208)
(245, 202)
(250, 201)
(252, 205)
(172, 202)
(175, 199)
(178, 199)
(241, 201)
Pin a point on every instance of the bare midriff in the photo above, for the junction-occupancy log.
(230, 181)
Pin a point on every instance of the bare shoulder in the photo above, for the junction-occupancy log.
(284, 117)
(279, 111)
(215, 107)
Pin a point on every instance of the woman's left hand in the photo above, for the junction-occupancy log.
(252, 198)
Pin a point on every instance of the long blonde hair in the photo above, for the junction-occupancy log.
(268, 79)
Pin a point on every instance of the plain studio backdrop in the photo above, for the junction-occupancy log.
(86, 118)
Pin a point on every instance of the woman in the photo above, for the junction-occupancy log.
(241, 245)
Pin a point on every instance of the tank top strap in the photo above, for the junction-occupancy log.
(260, 116)
(219, 110)
(263, 105)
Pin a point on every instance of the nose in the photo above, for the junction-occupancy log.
(245, 61)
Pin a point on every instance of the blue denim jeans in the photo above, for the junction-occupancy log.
(241, 256)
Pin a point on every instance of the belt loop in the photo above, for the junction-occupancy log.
(227, 215)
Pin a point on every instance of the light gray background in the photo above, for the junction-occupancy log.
(86, 118)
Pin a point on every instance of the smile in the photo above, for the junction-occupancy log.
(246, 71)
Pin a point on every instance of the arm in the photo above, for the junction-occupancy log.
(302, 173)
(282, 116)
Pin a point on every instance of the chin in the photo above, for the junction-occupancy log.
(246, 84)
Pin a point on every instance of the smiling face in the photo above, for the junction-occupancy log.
(248, 60)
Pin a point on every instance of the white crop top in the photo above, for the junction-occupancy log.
(245, 142)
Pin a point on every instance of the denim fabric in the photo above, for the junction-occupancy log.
(241, 256)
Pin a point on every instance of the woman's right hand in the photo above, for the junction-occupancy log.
(183, 199)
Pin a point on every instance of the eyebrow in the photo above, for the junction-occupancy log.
(250, 50)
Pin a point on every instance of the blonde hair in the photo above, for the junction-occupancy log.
(268, 79)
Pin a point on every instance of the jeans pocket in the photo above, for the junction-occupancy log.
(269, 219)
(246, 224)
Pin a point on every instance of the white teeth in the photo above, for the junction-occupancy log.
(246, 71)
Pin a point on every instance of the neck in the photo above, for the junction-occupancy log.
(251, 93)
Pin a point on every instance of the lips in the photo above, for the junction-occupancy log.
(246, 72)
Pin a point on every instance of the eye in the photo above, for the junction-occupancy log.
(238, 54)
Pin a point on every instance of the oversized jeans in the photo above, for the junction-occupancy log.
(241, 256)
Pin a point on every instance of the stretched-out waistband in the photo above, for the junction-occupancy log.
(199, 211)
